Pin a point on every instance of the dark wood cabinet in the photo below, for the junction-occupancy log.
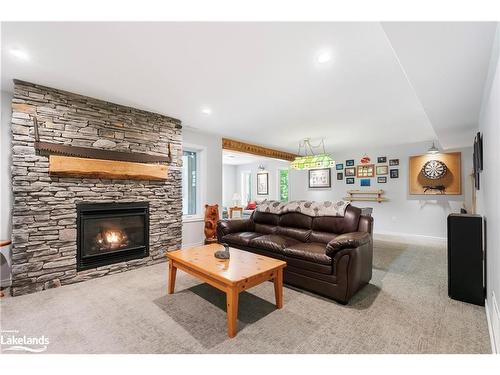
(465, 258)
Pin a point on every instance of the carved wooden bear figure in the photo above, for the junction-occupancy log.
(211, 217)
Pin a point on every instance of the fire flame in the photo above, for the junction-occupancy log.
(112, 237)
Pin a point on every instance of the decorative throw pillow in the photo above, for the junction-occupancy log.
(251, 205)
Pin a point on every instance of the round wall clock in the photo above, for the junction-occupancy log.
(434, 169)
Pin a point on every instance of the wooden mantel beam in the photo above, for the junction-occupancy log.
(68, 166)
(231, 144)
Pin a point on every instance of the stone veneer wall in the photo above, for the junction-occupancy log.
(44, 207)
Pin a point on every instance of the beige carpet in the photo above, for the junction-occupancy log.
(405, 309)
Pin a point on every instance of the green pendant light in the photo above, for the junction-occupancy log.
(313, 160)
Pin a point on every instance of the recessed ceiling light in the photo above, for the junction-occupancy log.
(323, 57)
(19, 53)
(206, 111)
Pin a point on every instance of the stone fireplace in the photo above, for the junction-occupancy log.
(70, 229)
(109, 233)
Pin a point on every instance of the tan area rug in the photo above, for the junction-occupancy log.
(405, 309)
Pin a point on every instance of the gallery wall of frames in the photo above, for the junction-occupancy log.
(388, 169)
(357, 172)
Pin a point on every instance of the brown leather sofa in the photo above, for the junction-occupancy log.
(328, 255)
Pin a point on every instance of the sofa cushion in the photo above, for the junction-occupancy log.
(311, 251)
(273, 242)
(265, 228)
(265, 218)
(338, 224)
(241, 238)
(324, 237)
(295, 220)
(299, 234)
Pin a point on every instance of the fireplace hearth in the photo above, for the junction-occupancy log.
(109, 233)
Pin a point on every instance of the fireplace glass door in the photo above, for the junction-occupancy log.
(112, 232)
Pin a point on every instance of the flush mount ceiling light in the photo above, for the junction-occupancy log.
(323, 57)
(309, 159)
(433, 149)
(206, 111)
(19, 54)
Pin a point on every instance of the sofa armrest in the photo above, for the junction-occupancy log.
(347, 241)
(225, 227)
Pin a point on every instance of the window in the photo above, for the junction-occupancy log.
(246, 187)
(283, 185)
(194, 172)
(189, 182)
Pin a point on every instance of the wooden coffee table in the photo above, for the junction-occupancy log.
(239, 273)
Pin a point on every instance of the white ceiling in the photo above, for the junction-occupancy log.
(447, 63)
(262, 81)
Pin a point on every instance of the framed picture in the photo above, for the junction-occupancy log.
(382, 180)
(478, 151)
(382, 169)
(435, 174)
(394, 173)
(350, 172)
(349, 180)
(349, 163)
(382, 159)
(393, 162)
(339, 167)
(262, 184)
(367, 170)
(340, 176)
(365, 182)
(477, 159)
(320, 178)
(365, 159)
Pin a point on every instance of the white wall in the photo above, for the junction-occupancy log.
(403, 214)
(5, 185)
(210, 178)
(229, 184)
(488, 197)
(272, 167)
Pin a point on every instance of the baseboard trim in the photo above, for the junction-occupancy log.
(491, 317)
(404, 237)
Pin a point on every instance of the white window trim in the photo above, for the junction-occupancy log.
(201, 178)
(242, 198)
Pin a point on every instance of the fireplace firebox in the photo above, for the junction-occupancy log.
(109, 233)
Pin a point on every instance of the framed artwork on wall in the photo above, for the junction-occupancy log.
(367, 170)
(394, 173)
(339, 167)
(320, 178)
(382, 180)
(349, 163)
(262, 184)
(393, 162)
(364, 182)
(431, 174)
(382, 169)
(340, 176)
(349, 180)
(350, 172)
(382, 159)
(365, 159)
(477, 159)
